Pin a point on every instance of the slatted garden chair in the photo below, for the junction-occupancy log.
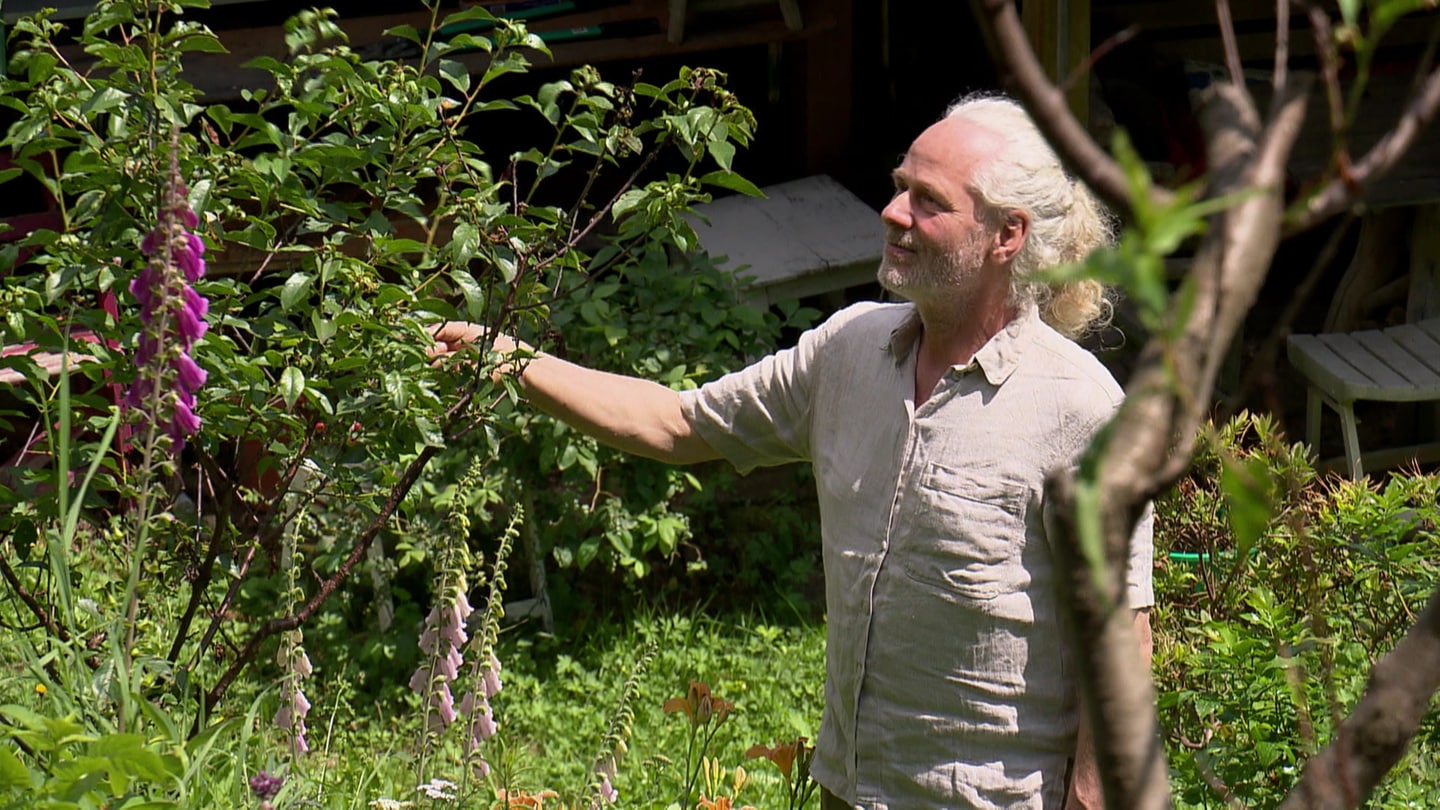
(1398, 364)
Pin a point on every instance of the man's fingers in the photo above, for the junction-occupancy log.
(456, 335)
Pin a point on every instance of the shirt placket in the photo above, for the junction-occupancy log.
(907, 482)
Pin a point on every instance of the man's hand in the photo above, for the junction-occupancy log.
(1085, 791)
(453, 337)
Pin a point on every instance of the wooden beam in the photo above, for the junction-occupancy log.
(222, 77)
(1060, 34)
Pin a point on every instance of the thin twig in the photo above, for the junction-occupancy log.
(1227, 38)
(41, 614)
(1280, 77)
(1024, 76)
(206, 571)
(1381, 158)
(1102, 50)
(328, 587)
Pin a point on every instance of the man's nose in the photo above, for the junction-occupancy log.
(897, 212)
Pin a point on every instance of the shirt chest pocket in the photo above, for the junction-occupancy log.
(967, 533)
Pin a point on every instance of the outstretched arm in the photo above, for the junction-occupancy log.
(629, 414)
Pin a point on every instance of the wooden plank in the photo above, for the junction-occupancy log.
(1390, 354)
(49, 362)
(809, 236)
(1332, 373)
(1355, 351)
(1420, 339)
(1154, 17)
(1351, 367)
(824, 94)
(221, 77)
(1426, 453)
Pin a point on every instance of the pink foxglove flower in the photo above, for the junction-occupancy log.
(441, 642)
(608, 793)
(173, 314)
(294, 706)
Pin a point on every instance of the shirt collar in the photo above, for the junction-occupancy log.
(998, 358)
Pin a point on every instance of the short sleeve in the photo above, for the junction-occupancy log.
(1140, 567)
(1142, 561)
(761, 415)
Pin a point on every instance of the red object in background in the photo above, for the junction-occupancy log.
(21, 214)
(27, 207)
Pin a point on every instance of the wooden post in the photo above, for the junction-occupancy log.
(1060, 34)
(818, 79)
(1424, 298)
(1377, 254)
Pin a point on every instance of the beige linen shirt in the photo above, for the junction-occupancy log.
(949, 682)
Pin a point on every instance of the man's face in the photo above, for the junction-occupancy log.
(936, 242)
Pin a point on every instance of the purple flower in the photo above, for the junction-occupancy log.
(173, 314)
(441, 641)
(290, 716)
(490, 682)
(266, 785)
(608, 793)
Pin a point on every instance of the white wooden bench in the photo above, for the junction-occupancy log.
(806, 237)
(1398, 364)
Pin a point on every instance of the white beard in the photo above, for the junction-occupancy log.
(942, 277)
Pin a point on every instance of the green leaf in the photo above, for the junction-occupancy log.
(107, 98)
(473, 293)
(13, 773)
(627, 202)
(296, 288)
(430, 434)
(323, 326)
(1248, 489)
(201, 42)
(1350, 11)
(406, 32)
(732, 181)
(472, 14)
(723, 152)
(586, 552)
(292, 385)
(456, 73)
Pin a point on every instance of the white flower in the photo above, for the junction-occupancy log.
(438, 789)
(389, 804)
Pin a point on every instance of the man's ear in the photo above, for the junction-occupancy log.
(1010, 238)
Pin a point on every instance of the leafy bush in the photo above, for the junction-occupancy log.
(346, 208)
(1262, 646)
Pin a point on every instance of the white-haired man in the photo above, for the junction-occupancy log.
(931, 426)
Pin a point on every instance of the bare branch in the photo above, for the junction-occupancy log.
(1111, 42)
(1377, 733)
(1227, 37)
(1382, 157)
(1022, 73)
(398, 491)
(53, 627)
(1329, 65)
(1280, 78)
(1152, 438)
(1129, 753)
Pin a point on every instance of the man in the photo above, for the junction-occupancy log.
(931, 426)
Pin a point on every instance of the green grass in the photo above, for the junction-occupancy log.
(559, 697)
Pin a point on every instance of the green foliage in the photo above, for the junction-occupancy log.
(1267, 639)
(772, 673)
(347, 207)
